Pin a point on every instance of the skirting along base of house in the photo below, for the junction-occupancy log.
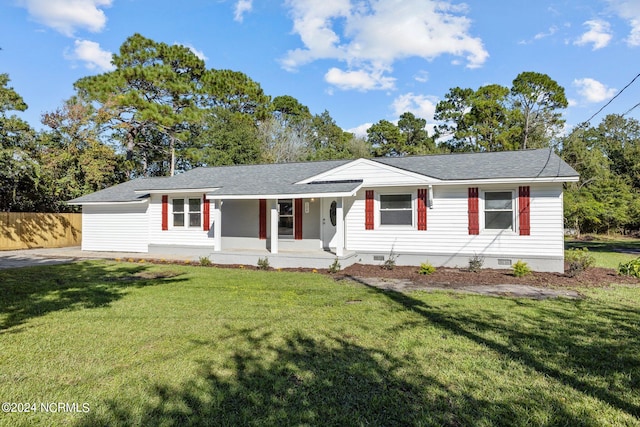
(323, 259)
(545, 264)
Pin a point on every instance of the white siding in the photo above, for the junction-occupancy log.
(447, 227)
(374, 174)
(116, 227)
(178, 236)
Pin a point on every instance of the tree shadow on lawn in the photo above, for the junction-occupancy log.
(589, 346)
(30, 292)
(318, 381)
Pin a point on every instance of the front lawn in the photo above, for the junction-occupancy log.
(608, 252)
(142, 344)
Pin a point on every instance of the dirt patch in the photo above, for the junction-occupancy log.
(456, 277)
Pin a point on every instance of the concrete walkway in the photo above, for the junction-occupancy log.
(506, 290)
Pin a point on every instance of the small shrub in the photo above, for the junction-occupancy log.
(390, 262)
(631, 268)
(426, 268)
(205, 261)
(475, 263)
(263, 263)
(521, 269)
(333, 268)
(579, 260)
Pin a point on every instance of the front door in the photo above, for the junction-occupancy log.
(328, 218)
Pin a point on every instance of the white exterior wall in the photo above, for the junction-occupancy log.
(118, 227)
(176, 236)
(447, 226)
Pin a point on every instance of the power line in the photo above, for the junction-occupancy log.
(611, 100)
(631, 109)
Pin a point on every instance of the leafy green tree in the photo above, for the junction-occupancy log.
(537, 99)
(285, 133)
(476, 120)
(327, 140)
(606, 198)
(19, 168)
(455, 124)
(620, 141)
(417, 139)
(225, 137)
(386, 139)
(74, 160)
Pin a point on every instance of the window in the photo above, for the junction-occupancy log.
(395, 209)
(192, 209)
(285, 221)
(498, 210)
(178, 212)
(194, 213)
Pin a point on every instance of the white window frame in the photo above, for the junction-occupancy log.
(186, 213)
(514, 210)
(378, 209)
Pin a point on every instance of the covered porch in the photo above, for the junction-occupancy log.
(297, 225)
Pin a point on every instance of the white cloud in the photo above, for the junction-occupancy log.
(92, 55)
(551, 31)
(599, 34)
(422, 76)
(200, 54)
(630, 11)
(66, 16)
(592, 90)
(360, 131)
(422, 106)
(372, 36)
(242, 7)
(358, 80)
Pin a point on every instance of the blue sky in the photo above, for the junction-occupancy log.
(362, 60)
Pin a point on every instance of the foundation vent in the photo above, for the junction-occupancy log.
(378, 257)
(503, 261)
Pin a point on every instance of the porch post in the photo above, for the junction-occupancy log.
(274, 226)
(339, 227)
(217, 225)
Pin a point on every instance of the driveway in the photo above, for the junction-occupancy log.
(33, 257)
(52, 256)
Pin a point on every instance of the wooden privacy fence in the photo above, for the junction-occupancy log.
(24, 230)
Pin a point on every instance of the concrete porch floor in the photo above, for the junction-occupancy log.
(283, 259)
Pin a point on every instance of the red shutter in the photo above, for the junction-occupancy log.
(368, 214)
(297, 217)
(524, 207)
(422, 209)
(206, 204)
(262, 228)
(165, 212)
(474, 221)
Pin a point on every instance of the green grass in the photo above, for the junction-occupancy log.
(608, 252)
(176, 345)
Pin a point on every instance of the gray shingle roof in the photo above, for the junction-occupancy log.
(280, 179)
(541, 163)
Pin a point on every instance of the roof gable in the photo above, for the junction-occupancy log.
(371, 173)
